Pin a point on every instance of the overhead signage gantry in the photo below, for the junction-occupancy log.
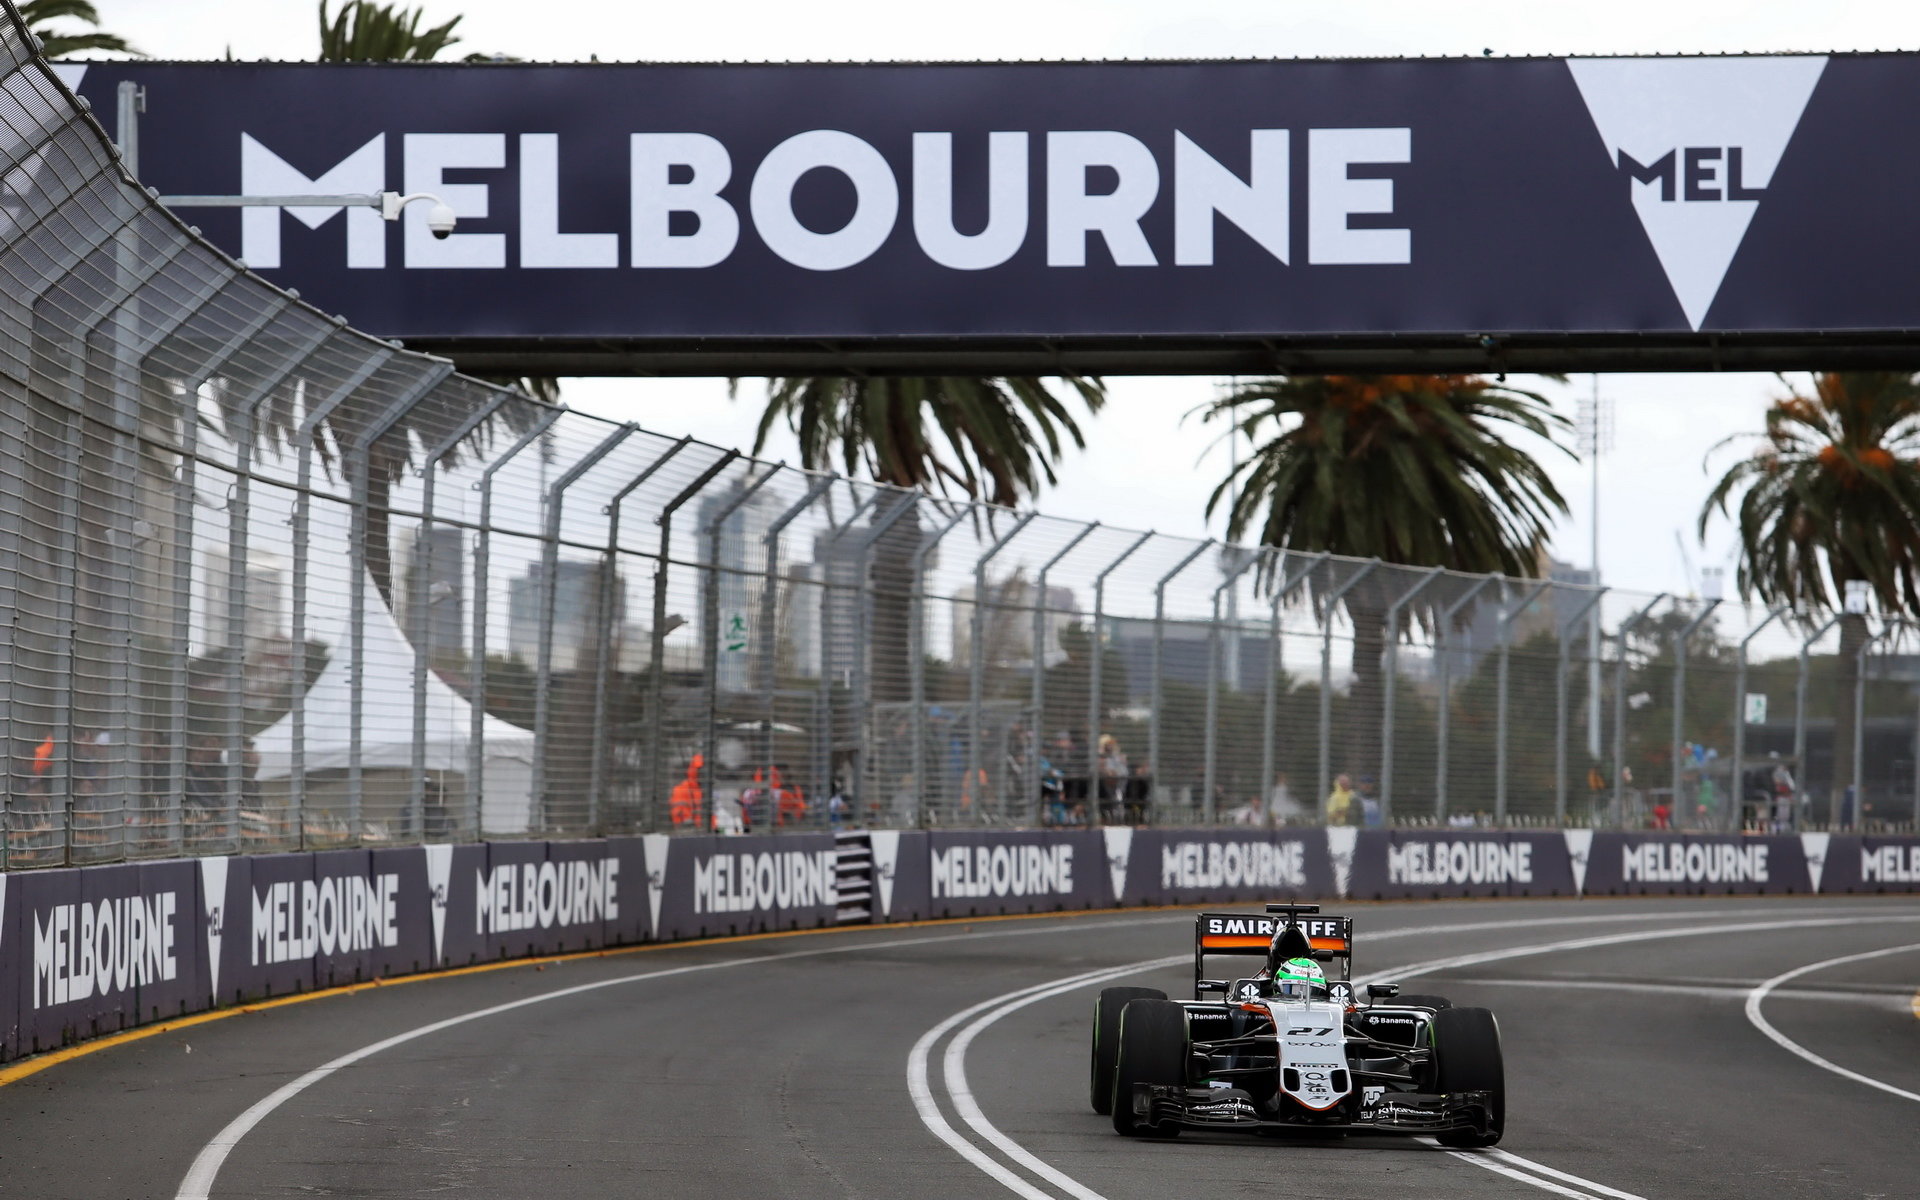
(1506, 214)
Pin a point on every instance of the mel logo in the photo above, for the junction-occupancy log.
(1696, 141)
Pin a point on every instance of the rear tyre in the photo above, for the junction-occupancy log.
(1434, 1002)
(1153, 1049)
(1106, 1039)
(1466, 1050)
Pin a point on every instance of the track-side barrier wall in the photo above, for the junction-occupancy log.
(92, 950)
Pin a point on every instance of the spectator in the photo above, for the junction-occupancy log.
(1253, 812)
(1137, 800)
(1783, 793)
(683, 803)
(1282, 808)
(1341, 810)
(1370, 811)
(1113, 776)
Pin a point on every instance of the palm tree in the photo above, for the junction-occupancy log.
(1831, 496)
(995, 439)
(364, 31)
(1409, 469)
(38, 13)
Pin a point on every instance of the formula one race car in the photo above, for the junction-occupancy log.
(1288, 1048)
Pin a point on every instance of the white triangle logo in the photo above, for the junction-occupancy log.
(1119, 854)
(1814, 845)
(439, 874)
(213, 889)
(653, 848)
(1341, 840)
(886, 854)
(1696, 140)
(1579, 849)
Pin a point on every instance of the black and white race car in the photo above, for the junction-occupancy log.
(1290, 1046)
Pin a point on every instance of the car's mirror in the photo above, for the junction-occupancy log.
(1210, 985)
(1382, 991)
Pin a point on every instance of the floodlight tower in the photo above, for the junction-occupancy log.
(1593, 431)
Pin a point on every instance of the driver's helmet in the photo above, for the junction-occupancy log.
(1300, 979)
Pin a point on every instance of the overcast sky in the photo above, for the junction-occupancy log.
(1143, 465)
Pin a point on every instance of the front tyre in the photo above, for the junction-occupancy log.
(1153, 1049)
(1466, 1050)
(1106, 1039)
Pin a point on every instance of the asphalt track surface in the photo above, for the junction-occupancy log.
(781, 1067)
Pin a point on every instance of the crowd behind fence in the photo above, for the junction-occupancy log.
(272, 583)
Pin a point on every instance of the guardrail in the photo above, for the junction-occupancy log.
(92, 950)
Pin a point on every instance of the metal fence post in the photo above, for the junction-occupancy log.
(862, 650)
(977, 675)
(1270, 721)
(421, 630)
(1740, 717)
(184, 521)
(238, 529)
(553, 505)
(657, 675)
(477, 665)
(1620, 709)
(1326, 669)
(1680, 693)
(1561, 671)
(359, 457)
(917, 636)
(1096, 656)
(1857, 809)
(1040, 688)
(303, 437)
(1391, 687)
(1155, 768)
(1444, 722)
(1507, 615)
(710, 668)
(1210, 763)
(1800, 713)
(767, 666)
(828, 549)
(604, 669)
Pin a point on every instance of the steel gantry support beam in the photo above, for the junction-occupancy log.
(917, 681)
(977, 675)
(1562, 669)
(1096, 656)
(1680, 641)
(477, 668)
(827, 549)
(554, 505)
(1444, 729)
(1326, 667)
(1210, 766)
(1040, 687)
(657, 668)
(1740, 716)
(1390, 685)
(1507, 616)
(421, 627)
(1620, 706)
(710, 668)
(1156, 770)
(606, 653)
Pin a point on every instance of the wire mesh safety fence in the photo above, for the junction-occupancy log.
(271, 583)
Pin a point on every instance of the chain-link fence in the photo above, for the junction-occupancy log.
(271, 583)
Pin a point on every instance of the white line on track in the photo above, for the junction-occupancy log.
(198, 1183)
(1498, 1161)
(1758, 995)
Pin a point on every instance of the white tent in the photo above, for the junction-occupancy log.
(386, 715)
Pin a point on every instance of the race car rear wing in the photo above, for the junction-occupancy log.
(1324, 938)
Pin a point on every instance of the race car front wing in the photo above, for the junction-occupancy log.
(1389, 1112)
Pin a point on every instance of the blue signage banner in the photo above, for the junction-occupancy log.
(1481, 210)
